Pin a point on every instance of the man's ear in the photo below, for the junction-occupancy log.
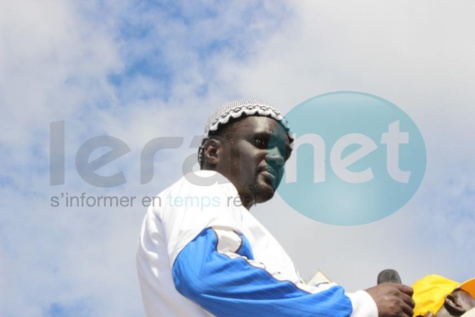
(212, 151)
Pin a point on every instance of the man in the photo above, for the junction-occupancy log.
(202, 253)
(438, 296)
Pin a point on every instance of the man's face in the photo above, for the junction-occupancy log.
(456, 304)
(253, 158)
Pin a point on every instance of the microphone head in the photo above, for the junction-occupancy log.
(389, 276)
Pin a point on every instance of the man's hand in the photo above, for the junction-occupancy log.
(392, 299)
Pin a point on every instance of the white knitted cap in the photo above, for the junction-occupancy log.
(237, 109)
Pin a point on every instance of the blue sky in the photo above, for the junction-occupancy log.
(139, 70)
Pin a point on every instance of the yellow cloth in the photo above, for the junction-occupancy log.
(430, 292)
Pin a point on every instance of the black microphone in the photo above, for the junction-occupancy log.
(389, 276)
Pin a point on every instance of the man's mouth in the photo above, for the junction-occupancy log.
(453, 307)
(269, 175)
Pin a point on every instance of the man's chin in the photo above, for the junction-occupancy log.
(263, 192)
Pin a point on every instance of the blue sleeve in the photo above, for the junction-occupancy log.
(227, 284)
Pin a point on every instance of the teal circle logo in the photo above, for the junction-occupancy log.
(357, 158)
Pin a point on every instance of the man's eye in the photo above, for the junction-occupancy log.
(260, 143)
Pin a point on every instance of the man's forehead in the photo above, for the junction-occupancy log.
(261, 124)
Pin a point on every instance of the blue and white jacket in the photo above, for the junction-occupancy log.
(202, 254)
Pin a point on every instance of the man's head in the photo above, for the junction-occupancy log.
(438, 296)
(248, 142)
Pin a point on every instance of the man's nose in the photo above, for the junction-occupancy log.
(275, 157)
